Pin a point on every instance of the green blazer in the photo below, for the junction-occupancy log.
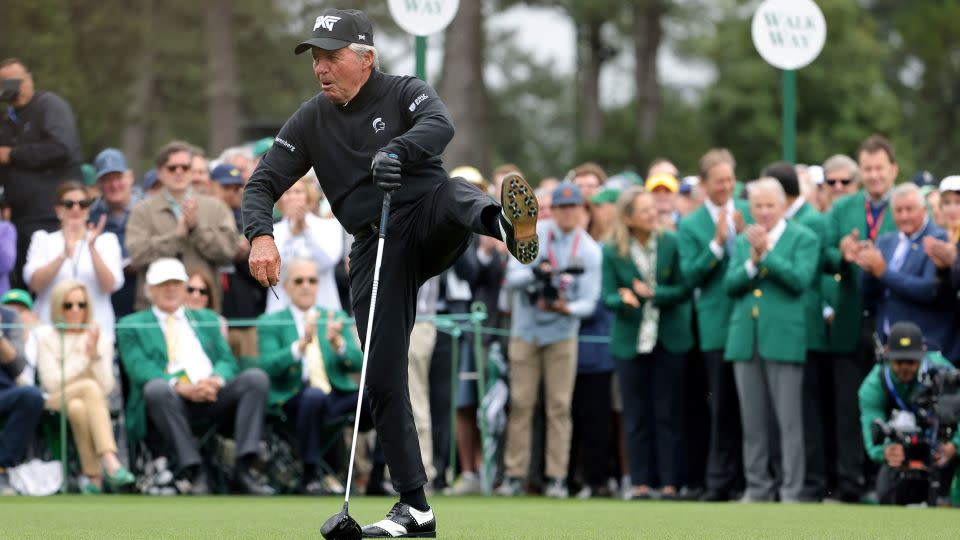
(813, 220)
(276, 333)
(765, 308)
(847, 214)
(703, 271)
(671, 295)
(143, 351)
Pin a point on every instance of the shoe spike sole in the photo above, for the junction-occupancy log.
(520, 206)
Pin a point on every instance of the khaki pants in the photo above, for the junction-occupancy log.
(422, 340)
(557, 365)
(243, 342)
(90, 421)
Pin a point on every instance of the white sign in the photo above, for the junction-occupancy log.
(423, 17)
(789, 34)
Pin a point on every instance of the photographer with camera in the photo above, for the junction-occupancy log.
(912, 447)
(39, 150)
(549, 297)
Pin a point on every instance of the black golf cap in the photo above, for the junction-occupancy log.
(336, 28)
(905, 342)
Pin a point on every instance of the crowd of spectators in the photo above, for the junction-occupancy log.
(692, 337)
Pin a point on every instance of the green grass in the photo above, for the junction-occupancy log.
(135, 517)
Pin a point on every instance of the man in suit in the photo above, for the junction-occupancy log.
(309, 354)
(901, 278)
(182, 374)
(705, 252)
(801, 212)
(775, 263)
(852, 219)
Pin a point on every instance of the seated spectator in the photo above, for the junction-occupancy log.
(182, 375)
(197, 229)
(302, 235)
(20, 406)
(8, 253)
(309, 354)
(200, 295)
(774, 262)
(20, 301)
(901, 278)
(80, 251)
(85, 379)
(889, 389)
(116, 182)
(650, 337)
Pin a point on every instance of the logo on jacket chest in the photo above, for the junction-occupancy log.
(378, 124)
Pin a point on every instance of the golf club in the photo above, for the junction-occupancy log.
(341, 526)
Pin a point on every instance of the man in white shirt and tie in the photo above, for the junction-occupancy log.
(183, 376)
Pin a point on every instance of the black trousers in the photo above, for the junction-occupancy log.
(423, 238)
(815, 399)
(652, 389)
(591, 427)
(725, 462)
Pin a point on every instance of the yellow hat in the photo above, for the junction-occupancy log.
(470, 174)
(662, 180)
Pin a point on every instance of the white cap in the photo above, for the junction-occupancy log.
(950, 183)
(816, 174)
(164, 270)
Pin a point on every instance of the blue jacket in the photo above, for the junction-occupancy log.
(594, 357)
(910, 293)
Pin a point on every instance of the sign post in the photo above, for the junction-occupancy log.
(789, 35)
(422, 18)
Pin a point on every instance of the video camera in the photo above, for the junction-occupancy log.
(9, 90)
(546, 285)
(933, 420)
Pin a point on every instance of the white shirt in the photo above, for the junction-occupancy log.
(714, 211)
(795, 207)
(320, 241)
(46, 246)
(190, 356)
(298, 319)
(772, 238)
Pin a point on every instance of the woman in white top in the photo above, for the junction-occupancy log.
(86, 378)
(77, 251)
(303, 235)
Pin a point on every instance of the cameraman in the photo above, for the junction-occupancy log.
(893, 386)
(39, 150)
(549, 297)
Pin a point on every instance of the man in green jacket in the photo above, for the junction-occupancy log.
(183, 375)
(853, 220)
(309, 354)
(705, 252)
(892, 387)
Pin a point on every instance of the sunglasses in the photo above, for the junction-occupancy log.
(69, 306)
(69, 204)
(202, 291)
(177, 167)
(833, 181)
(300, 280)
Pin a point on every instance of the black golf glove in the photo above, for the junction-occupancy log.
(386, 171)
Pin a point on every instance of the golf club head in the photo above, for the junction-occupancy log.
(341, 526)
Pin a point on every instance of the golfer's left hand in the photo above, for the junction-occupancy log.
(386, 170)
(265, 260)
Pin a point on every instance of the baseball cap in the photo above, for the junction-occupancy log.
(109, 161)
(605, 196)
(687, 184)
(149, 179)
(260, 147)
(923, 178)
(905, 342)
(226, 175)
(336, 28)
(662, 180)
(567, 194)
(166, 269)
(950, 183)
(816, 174)
(17, 296)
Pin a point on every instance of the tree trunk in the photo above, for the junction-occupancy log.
(136, 117)
(463, 89)
(589, 58)
(647, 34)
(222, 81)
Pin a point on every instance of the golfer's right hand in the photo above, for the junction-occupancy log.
(386, 170)
(265, 261)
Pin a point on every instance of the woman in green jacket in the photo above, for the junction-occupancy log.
(651, 335)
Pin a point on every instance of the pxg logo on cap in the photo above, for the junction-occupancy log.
(335, 29)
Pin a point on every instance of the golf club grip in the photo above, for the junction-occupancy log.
(366, 351)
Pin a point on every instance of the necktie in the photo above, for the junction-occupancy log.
(731, 236)
(171, 337)
(317, 371)
(899, 254)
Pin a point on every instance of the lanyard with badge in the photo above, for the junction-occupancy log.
(873, 226)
